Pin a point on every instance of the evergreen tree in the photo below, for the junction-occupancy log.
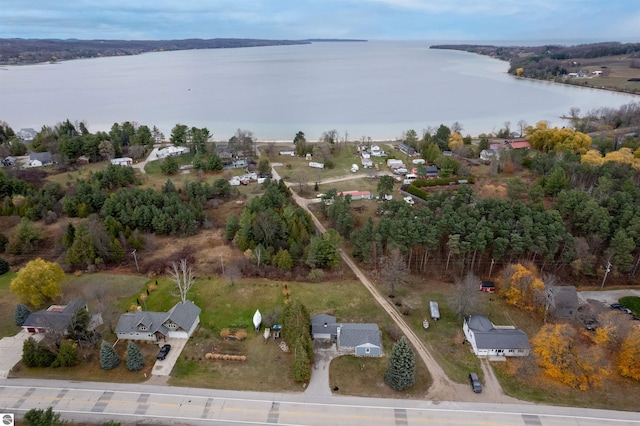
(169, 187)
(36, 355)
(108, 357)
(20, 314)
(135, 360)
(401, 372)
(69, 235)
(67, 354)
(4, 266)
(38, 417)
(169, 166)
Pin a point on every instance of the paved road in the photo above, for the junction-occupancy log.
(91, 403)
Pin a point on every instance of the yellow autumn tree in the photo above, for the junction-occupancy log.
(455, 141)
(522, 286)
(548, 139)
(592, 157)
(564, 358)
(519, 71)
(38, 282)
(628, 359)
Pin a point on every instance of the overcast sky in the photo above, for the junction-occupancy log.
(482, 20)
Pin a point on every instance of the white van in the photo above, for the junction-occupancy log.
(410, 178)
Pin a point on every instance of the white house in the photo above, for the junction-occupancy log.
(489, 154)
(171, 151)
(39, 159)
(179, 322)
(122, 161)
(487, 339)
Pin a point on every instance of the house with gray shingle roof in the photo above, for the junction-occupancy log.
(488, 339)
(179, 322)
(55, 318)
(351, 338)
(359, 339)
(39, 159)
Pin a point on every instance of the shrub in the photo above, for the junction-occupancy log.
(67, 355)
(3, 242)
(36, 355)
(315, 275)
(38, 417)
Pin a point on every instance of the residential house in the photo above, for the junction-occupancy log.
(351, 339)
(431, 172)
(406, 149)
(488, 339)
(359, 339)
(489, 154)
(27, 134)
(563, 301)
(179, 322)
(518, 144)
(171, 151)
(39, 159)
(122, 161)
(367, 163)
(324, 326)
(55, 318)
(357, 195)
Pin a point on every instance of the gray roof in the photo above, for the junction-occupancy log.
(352, 335)
(182, 314)
(323, 323)
(489, 337)
(52, 318)
(43, 157)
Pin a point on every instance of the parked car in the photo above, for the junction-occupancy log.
(163, 352)
(620, 307)
(475, 382)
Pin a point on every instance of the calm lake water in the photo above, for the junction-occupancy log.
(373, 89)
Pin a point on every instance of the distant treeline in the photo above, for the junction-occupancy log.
(548, 61)
(30, 51)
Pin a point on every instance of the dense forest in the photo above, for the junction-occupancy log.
(30, 51)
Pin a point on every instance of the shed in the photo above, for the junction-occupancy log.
(487, 286)
(435, 310)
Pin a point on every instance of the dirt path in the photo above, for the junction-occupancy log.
(443, 389)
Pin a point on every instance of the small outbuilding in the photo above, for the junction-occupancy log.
(487, 286)
(435, 310)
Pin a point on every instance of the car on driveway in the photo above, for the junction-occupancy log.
(163, 352)
(475, 382)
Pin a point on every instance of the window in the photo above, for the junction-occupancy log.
(367, 350)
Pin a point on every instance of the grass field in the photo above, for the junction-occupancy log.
(7, 306)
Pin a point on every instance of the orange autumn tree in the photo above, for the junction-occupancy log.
(562, 357)
(628, 359)
(522, 286)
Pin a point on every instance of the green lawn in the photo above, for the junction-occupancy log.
(7, 306)
(631, 302)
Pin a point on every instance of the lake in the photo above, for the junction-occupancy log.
(373, 89)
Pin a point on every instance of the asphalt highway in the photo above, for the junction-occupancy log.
(93, 403)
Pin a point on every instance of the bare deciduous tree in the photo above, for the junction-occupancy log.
(394, 271)
(182, 275)
(232, 272)
(465, 297)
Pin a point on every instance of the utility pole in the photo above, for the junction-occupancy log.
(606, 272)
(136, 260)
